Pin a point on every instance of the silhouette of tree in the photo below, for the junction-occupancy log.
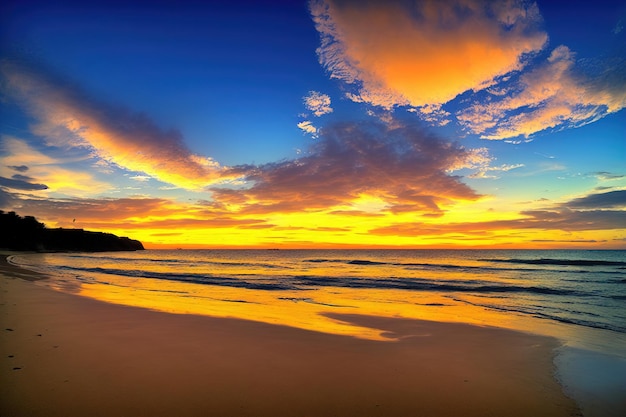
(26, 233)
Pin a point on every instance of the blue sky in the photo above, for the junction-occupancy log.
(429, 114)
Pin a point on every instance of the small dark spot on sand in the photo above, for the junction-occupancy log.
(39, 335)
(55, 346)
(466, 380)
(17, 368)
(11, 356)
(9, 330)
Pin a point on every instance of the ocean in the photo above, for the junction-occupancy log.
(576, 296)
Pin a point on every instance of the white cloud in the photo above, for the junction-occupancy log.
(318, 103)
(141, 178)
(483, 172)
(473, 158)
(307, 127)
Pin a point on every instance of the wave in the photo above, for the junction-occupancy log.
(310, 301)
(135, 260)
(300, 282)
(538, 314)
(96, 257)
(460, 268)
(204, 279)
(426, 285)
(319, 261)
(365, 262)
(567, 262)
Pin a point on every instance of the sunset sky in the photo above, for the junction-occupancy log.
(461, 123)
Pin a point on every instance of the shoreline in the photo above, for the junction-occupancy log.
(64, 354)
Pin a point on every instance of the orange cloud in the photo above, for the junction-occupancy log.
(423, 53)
(132, 213)
(68, 117)
(91, 211)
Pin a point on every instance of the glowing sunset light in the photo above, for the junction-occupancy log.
(318, 124)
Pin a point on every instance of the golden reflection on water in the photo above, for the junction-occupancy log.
(303, 309)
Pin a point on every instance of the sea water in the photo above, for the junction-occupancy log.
(576, 296)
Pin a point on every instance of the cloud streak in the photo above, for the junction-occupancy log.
(70, 118)
(21, 183)
(611, 199)
(485, 172)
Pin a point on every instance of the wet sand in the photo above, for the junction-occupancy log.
(66, 355)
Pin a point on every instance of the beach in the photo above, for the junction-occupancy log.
(67, 355)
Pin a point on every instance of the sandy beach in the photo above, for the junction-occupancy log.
(67, 355)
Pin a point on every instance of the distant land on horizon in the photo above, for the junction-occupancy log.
(28, 234)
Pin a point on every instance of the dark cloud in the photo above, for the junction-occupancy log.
(22, 177)
(604, 175)
(609, 199)
(406, 167)
(569, 220)
(6, 199)
(18, 168)
(20, 184)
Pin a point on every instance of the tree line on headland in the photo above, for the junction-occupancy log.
(27, 234)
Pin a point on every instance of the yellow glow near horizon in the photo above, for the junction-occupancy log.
(323, 230)
(366, 221)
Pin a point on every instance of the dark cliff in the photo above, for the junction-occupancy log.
(26, 233)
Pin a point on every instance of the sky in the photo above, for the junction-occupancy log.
(319, 124)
